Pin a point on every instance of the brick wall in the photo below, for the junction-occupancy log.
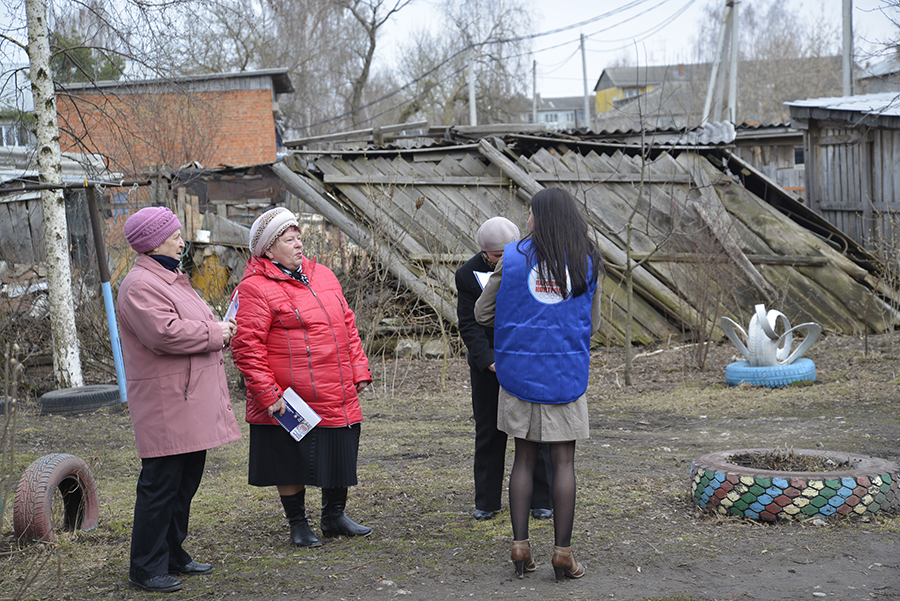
(134, 130)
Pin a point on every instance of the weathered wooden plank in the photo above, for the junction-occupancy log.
(407, 180)
(378, 218)
(34, 220)
(435, 295)
(451, 222)
(22, 240)
(835, 300)
(181, 211)
(11, 235)
(755, 259)
(878, 167)
(607, 177)
(894, 168)
(490, 202)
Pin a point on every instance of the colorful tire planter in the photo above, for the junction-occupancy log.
(870, 486)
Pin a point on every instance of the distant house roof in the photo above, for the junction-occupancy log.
(564, 103)
(888, 65)
(877, 110)
(633, 77)
(280, 81)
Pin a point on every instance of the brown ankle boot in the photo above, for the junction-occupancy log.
(564, 564)
(521, 557)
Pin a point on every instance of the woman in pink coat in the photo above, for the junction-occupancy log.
(296, 330)
(177, 396)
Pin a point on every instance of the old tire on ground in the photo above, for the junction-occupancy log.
(870, 486)
(36, 494)
(80, 399)
(771, 376)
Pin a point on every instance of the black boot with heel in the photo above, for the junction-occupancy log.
(334, 522)
(295, 510)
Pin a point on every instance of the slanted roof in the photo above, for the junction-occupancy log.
(888, 65)
(874, 110)
(277, 79)
(639, 77)
(562, 103)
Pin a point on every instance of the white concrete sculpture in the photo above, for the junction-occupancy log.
(764, 346)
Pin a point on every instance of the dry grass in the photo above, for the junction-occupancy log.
(415, 490)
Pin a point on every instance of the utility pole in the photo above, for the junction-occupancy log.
(847, 53)
(728, 43)
(587, 100)
(733, 70)
(473, 115)
(534, 92)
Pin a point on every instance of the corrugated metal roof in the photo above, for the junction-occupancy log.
(884, 104)
(886, 66)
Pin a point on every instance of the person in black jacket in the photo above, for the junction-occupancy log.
(490, 443)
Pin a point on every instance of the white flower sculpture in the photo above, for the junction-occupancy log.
(764, 346)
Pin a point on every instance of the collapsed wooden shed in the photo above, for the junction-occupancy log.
(704, 233)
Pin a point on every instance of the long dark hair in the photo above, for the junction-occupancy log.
(560, 238)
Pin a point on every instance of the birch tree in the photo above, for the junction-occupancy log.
(66, 357)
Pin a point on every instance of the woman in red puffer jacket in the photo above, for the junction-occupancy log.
(295, 329)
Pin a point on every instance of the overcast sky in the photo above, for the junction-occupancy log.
(660, 31)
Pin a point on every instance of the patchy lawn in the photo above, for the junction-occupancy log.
(636, 531)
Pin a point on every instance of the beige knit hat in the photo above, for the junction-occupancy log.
(268, 226)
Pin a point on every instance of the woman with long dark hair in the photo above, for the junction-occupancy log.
(543, 302)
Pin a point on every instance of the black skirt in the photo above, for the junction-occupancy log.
(326, 457)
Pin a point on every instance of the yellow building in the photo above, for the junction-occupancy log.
(620, 83)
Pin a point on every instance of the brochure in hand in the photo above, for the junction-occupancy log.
(232, 308)
(298, 418)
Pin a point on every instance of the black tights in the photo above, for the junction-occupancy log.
(562, 456)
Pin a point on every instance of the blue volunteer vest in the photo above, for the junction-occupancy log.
(541, 340)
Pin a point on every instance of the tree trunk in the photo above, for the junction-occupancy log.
(66, 358)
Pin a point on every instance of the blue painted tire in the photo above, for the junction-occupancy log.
(773, 376)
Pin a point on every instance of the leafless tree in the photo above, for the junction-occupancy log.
(436, 63)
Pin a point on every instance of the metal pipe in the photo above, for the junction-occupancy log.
(847, 53)
(587, 105)
(107, 292)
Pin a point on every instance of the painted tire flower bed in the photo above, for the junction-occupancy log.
(869, 486)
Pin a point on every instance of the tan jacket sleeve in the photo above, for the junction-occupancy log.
(486, 304)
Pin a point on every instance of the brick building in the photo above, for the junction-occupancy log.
(225, 119)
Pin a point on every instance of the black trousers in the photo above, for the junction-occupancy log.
(490, 449)
(162, 508)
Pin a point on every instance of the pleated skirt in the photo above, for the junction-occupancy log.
(326, 457)
(539, 422)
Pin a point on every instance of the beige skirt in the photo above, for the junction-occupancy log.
(541, 422)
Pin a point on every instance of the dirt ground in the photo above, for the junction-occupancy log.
(637, 532)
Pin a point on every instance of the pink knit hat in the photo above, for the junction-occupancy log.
(149, 227)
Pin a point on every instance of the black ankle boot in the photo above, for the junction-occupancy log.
(295, 510)
(334, 522)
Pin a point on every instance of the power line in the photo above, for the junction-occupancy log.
(608, 14)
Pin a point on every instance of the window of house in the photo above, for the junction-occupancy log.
(799, 156)
(551, 117)
(15, 134)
